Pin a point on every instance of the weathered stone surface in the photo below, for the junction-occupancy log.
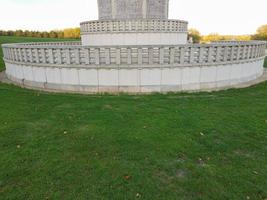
(133, 9)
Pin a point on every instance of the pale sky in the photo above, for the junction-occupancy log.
(208, 16)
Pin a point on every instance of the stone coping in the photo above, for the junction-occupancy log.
(62, 45)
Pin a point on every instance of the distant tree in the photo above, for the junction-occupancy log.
(194, 34)
(53, 34)
(19, 33)
(72, 33)
(261, 33)
(60, 34)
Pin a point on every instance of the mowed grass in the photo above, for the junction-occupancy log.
(173, 147)
(13, 39)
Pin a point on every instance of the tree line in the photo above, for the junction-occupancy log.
(74, 33)
(70, 33)
(261, 34)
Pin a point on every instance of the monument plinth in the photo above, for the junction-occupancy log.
(133, 22)
(133, 48)
(132, 9)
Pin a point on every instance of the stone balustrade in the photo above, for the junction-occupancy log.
(143, 25)
(75, 55)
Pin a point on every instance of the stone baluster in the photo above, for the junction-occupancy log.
(130, 25)
(238, 52)
(192, 55)
(105, 26)
(210, 55)
(30, 55)
(43, 55)
(143, 25)
(140, 56)
(225, 54)
(172, 54)
(6, 53)
(25, 56)
(218, 54)
(150, 56)
(14, 53)
(87, 56)
(11, 55)
(244, 52)
(232, 53)
(201, 54)
(182, 55)
(97, 56)
(249, 52)
(18, 54)
(118, 56)
(37, 59)
(50, 56)
(161, 55)
(259, 51)
(107, 56)
(77, 56)
(59, 58)
(129, 56)
(256, 51)
(11, 52)
(252, 51)
(67, 55)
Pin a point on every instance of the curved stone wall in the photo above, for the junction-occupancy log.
(134, 32)
(93, 39)
(71, 67)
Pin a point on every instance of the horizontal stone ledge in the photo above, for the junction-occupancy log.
(64, 45)
(134, 20)
(114, 32)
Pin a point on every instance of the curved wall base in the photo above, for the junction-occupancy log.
(106, 39)
(135, 80)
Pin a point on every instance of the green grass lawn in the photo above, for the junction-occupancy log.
(155, 147)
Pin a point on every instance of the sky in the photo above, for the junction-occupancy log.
(208, 16)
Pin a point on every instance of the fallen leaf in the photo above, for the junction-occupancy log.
(202, 134)
(128, 177)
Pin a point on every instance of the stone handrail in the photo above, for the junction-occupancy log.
(72, 54)
(134, 26)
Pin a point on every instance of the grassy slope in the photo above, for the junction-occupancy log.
(176, 146)
(7, 39)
